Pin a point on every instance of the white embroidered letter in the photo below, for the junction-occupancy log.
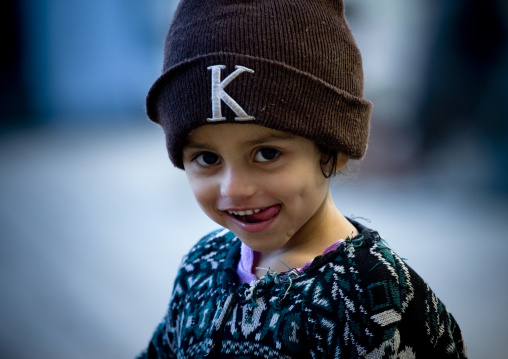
(219, 94)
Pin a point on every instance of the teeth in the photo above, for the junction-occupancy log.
(245, 213)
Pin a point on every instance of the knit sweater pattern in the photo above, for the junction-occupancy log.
(359, 301)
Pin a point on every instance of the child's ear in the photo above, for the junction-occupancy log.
(342, 160)
(332, 161)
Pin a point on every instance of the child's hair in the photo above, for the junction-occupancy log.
(291, 66)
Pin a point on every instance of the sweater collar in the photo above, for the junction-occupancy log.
(227, 274)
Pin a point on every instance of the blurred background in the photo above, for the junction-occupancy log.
(94, 219)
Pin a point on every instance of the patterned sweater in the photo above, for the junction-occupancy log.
(359, 301)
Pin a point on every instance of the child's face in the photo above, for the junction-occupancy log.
(264, 185)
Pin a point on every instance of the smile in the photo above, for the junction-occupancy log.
(248, 212)
(255, 220)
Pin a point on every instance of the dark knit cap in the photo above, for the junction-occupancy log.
(294, 67)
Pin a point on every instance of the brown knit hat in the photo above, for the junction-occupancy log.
(290, 65)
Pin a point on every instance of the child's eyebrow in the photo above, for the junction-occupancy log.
(251, 143)
(194, 145)
(269, 138)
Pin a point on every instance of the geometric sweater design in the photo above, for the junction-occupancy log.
(359, 301)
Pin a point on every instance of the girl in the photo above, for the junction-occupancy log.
(261, 103)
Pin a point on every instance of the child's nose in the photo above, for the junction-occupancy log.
(237, 184)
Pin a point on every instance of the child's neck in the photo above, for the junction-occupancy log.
(329, 227)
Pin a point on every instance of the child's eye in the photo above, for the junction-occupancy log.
(207, 159)
(266, 154)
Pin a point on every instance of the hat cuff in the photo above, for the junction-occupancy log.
(276, 95)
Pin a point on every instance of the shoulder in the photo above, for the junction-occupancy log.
(402, 312)
(209, 256)
(387, 283)
(375, 263)
(196, 285)
(212, 247)
(365, 259)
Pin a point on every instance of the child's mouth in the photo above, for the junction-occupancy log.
(256, 215)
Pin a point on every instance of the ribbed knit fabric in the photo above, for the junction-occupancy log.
(306, 73)
(359, 301)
